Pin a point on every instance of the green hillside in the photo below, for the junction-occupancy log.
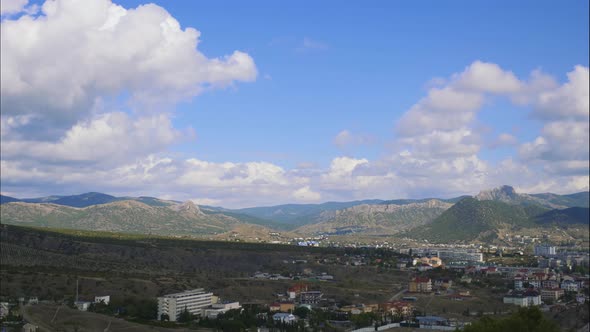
(470, 218)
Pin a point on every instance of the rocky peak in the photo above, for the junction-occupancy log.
(188, 207)
(503, 193)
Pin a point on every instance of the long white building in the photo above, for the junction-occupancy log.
(193, 300)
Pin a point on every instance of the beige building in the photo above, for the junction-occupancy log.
(173, 304)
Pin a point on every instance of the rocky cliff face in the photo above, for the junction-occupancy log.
(377, 219)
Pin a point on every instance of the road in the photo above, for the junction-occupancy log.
(43, 327)
(398, 294)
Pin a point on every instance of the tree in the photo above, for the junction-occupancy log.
(185, 316)
(525, 319)
(301, 312)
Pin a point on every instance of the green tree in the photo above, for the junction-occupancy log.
(525, 319)
(301, 312)
(185, 316)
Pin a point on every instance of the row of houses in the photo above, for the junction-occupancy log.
(426, 285)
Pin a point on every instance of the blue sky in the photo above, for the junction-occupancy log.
(376, 62)
(332, 80)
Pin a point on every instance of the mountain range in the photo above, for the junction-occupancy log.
(465, 218)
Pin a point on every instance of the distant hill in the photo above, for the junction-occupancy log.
(575, 215)
(581, 199)
(87, 199)
(379, 219)
(507, 194)
(295, 215)
(470, 219)
(8, 199)
(120, 216)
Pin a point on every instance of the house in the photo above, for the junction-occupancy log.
(310, 297)
(295, 290)
(432, 321)
(523, 298)
(466, 279)
(552, 294)
(284, 318)
(104, 299)
(275, 307)
(219, 308)
(518, 283)
(82, 305)
(28, 327)
(398, 308)
(4, 309)
(286, 306)
(549, 284)
(431, 261)
(569, 286)
(492, 270)
(420, 285)
(443, 283)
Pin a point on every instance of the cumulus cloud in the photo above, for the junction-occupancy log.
(109, 50)
(305, 194)
(8, 7)
(563, 145)
(110, 138)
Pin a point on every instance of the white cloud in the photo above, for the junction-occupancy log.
(563, 145)
(487, 77)
(110, 138)
(108, 50)
(305, 194)
(569, 101)
(345, 138)
(504, 139)
(8, 7)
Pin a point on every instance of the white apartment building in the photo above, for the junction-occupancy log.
(545, 250)
(193, 300)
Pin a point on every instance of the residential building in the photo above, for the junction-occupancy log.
(219, 308)
(284, 318)
(4, 309)
(28, 327)
(551, 294)
(420, 285)
(570, 286)
(310, 297)
(104, 299)
(275, 307)
(545, 250)
(286, 306)
(550, 284)
(398, 308)
(82, 305)
(295, 290)
(523, 298)
(192, 300)
(443, 283)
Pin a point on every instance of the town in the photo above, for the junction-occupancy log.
(440, 287)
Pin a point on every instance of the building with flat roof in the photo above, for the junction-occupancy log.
(545, 250)
(173, 304)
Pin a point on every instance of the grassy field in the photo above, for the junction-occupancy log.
(54, 318)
